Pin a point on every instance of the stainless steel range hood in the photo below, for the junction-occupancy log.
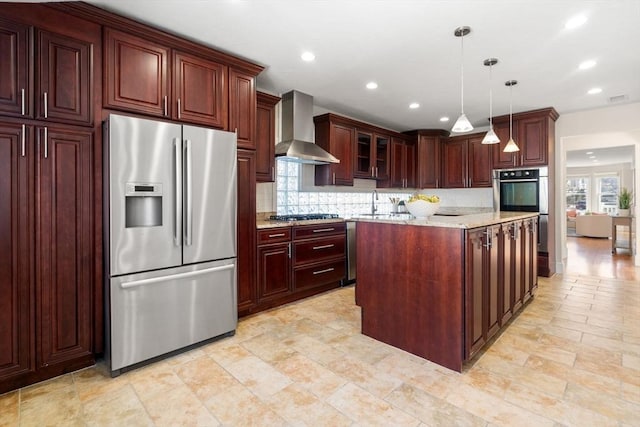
(297, 131)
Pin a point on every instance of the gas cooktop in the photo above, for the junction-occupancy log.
(302, 217)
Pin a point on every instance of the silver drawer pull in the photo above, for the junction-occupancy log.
(323, 247)
(323, 230)
(326, 270)
(276, 235)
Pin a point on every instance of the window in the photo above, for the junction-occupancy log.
(607, 188)
(577, 193)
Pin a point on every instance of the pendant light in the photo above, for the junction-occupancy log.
(490, 137)
(462, 124)
(511, 146)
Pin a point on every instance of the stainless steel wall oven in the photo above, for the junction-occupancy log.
(524, 190)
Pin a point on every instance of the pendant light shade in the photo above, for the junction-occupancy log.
(490, 137)
(511, 146)
(462, 124)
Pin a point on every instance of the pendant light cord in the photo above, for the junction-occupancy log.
(511, 112)
(462, 72)
(490, 99)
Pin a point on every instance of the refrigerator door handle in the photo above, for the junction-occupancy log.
(177, 182)
(136, 283)
(188, 221)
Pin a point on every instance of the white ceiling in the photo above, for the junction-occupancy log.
(600, 157)
(408, 48)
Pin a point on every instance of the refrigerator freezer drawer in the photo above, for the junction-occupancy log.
(158, 312)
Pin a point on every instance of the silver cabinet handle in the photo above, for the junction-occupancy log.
(46, 105)
(276, 235)
(289, 250)
(46, 142)
(373, 172)
(315, 248)
(376, 171)
(24, 130)
(326, 270)
(334, 178)
(22, 94)
(323, 230)
(164, 106)
(188, 193)
(273, 173)
(177, 219)
(487, 234)
(136, 283)
(179, 108)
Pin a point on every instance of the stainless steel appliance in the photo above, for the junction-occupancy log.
(524, 190)
(170, 227)
(351, 253)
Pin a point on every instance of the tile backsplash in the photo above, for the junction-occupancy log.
(285, 197)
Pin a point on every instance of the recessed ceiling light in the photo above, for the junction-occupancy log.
(444, 119)
(575, 22)
(372, 85)
(308, 56)
(592, 157)
(414, 105)
(589, 152)
(594, 161)
(594, 91)
(587, 64)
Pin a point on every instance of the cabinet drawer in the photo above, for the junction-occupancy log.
(314, 250)
(318, 230)
(274, 235)
(318, 274)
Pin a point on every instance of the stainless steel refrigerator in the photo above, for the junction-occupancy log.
(170, 228)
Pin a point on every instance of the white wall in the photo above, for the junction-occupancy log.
(600, 128)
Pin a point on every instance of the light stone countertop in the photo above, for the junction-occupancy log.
(449, 219)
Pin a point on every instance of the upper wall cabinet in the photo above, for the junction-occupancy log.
(428, 156)
(136, 74)
(403, 163)
(200, 90)
(533, 131)
(139, 79)
(242, 107)
(466, 162)
(337, 136)
(61, 73)
(372, 155)
(266, 137)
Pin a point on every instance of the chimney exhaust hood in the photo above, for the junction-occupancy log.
(297, 132)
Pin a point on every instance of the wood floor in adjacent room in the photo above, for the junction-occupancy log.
(571, 358)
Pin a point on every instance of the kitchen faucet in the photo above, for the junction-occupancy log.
(374, 197)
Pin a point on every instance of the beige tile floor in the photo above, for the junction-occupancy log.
(572, 357)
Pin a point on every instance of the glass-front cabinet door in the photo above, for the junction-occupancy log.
(382, 152)
(372, 156)
(364, 162)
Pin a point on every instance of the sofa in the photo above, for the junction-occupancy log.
(593, 226)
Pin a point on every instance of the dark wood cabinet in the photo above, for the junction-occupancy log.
(455, 154)
(466, 162)
(338, 138)
(247, 290)
(199, 90)
(17, 354)
(319, 253)
(15, 68)
(64, 84)
(372, 152)
(274, 263)
(61, 72)
(274, 271)
(534, 133)
(530, 257)
(428, 157)
(47, 184)
(242, 107)
(265, 137)
(65, 241)
(136, 74)
(403, 164)
(482, 288)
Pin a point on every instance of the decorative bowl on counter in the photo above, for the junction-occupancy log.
(421, 208)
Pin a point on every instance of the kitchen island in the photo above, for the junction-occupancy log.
(442, 287)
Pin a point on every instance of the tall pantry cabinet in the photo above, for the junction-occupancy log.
(49, 295)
